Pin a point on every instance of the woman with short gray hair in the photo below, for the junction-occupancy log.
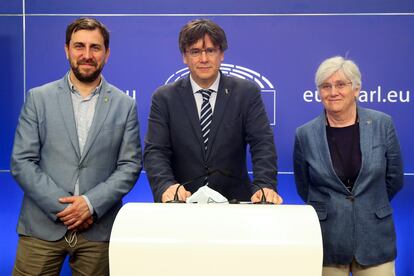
(348, 166)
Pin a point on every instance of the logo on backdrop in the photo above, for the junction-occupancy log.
(266, 87)
(377, 94)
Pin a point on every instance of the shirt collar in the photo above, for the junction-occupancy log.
(214, 86)
(73, 89)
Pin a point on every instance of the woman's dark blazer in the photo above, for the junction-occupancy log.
(359, 223)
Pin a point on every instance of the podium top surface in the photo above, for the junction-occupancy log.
(215, 239)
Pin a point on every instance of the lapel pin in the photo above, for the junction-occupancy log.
(226, 91)
(368, 122)
(106, 99)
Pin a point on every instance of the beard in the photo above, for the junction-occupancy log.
(86, 78)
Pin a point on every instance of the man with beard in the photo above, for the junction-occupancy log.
(76, 153)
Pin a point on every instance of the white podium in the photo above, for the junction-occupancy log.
(215, 239)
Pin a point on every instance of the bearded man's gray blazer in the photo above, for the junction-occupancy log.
(46, 160)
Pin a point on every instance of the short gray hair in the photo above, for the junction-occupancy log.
(338, 64)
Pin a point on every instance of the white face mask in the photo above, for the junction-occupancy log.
(206, 195)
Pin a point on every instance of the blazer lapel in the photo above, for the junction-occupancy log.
(101, 112)
(366, 140)
(66, 108)
(224, 94)
(187, 96)
(320, 136)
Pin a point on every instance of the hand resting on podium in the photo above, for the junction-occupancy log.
(270, 195)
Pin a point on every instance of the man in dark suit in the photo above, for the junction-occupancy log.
(201, 125)
(76, 154)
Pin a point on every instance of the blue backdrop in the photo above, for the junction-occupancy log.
(278, 44)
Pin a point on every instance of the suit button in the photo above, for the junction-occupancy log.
(81, 167)
(350, 198)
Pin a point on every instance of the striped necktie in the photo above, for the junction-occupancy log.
(206, 115)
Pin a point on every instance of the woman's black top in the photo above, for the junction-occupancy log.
(345, 152)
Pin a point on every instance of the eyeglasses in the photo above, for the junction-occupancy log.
(196, 52)
(327, 87)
